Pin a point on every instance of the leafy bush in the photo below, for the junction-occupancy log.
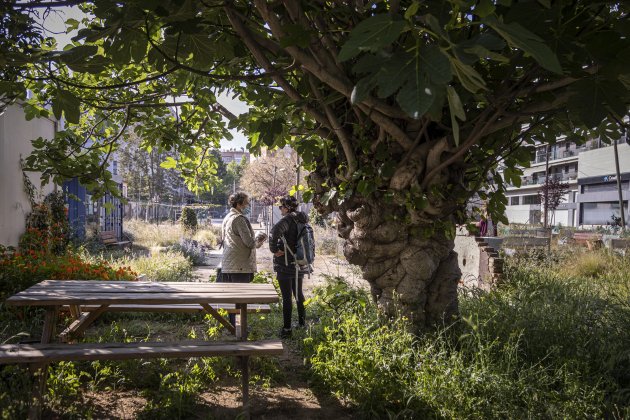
(192, 250)
(541, 346)
(315, 218)
(189, 220)
(22, 269)
(161, 266)
(206, 238)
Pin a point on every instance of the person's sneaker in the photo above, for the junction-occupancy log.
(285, 333)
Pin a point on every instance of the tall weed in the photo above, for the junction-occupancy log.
(161, 266)
(543, 345)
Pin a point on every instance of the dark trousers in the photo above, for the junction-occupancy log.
(236, 278)
(288, 288)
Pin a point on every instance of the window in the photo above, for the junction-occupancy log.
(115, 167)
(603, 187)
(514, 201)
(600, 213)
(531, 199)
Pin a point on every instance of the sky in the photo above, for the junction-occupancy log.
(55, 26)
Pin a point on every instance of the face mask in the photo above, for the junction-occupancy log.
(246, 211)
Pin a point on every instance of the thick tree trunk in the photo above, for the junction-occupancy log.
(406, 269)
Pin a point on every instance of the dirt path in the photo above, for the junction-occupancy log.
(291, 397)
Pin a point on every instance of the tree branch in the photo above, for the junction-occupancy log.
(251, 44)
(342, 135)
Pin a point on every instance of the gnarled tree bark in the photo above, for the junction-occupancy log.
(408, 272)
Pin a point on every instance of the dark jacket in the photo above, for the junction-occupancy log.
(287, 226)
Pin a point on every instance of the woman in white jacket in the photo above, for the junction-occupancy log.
(238, 263)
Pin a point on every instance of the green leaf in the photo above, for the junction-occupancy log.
(436, 64)
(416, 99)
(362, 89)
(295, 35)
(482, 52)
(412, 9)
(169, 163)
(484, 8)
(139, 49)
(71, 25)
(468, 76)
(456, 110)
(532, 44)
(66, 102)
(372, 34)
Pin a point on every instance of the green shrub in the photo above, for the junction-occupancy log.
(206, 238)
(315, 218)
(161, 266)
(540, 346)
(189, 220)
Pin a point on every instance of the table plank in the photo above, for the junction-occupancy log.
(71, 298)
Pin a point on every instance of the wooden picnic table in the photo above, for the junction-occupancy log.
(54, 294)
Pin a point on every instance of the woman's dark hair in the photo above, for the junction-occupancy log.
(289, 202)
(237, 198)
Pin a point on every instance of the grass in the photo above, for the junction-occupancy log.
(553, 341)
(166, 234)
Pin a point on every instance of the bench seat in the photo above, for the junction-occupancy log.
(179, 308)
(590, 239)
(38, 356)
(45, 353)
(109, 238)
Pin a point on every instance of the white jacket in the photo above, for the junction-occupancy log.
(239, 244)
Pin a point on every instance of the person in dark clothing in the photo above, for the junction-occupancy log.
(284, 263)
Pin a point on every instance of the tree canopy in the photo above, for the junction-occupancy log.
(408, 105)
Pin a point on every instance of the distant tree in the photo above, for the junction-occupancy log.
(551, 194)
(271, 176)
(189, 220)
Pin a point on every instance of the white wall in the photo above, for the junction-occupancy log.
(602, 161)
(15, 136)
(518, 214)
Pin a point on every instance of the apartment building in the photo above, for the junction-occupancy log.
(234, 155)
(589, 171)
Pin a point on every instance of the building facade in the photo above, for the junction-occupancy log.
(234, 155)
(589, 171)
(16, 134)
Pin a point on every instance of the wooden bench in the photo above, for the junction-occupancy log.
(109, 238)
(591, 239)
(39, 355)
(179, 308)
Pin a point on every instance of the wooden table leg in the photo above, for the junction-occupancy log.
(245, 383)
(40, 370)
(243, 309)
